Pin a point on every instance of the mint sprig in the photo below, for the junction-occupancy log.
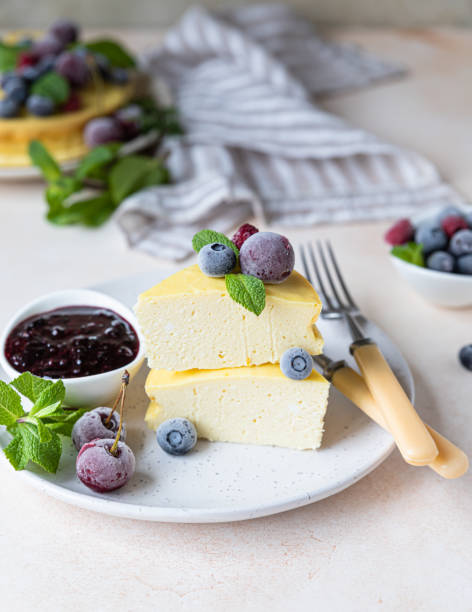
(246, 290)
(35, 434)
(208, 236)
(113, 51)
(52, 85)
(412, 252)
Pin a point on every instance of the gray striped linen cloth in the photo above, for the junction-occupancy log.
(256, 144)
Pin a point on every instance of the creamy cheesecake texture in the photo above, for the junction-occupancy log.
(189, 321)
(250, 405)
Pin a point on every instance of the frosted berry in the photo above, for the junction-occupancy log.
(92, 425)
(461, 242)
(102, 130)
(440, 261)
(9, 108)
(49, 45)
(400, 233)
(216, 259)
(102, 471)
(73, 67)
(432, 237)
(465, 356)
(267, 256)
(176, 436)
(16, 89)
(129, 117)
(296, 363)
(243, 233)
(449, 211)
(453, 224)
(464, 264)
(40, 105)
(468, 218)
(65, 31)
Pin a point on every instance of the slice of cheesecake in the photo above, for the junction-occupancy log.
(189, 321)
(250, 405)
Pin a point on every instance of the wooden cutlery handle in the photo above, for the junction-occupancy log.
(450, 462)
(408, 430)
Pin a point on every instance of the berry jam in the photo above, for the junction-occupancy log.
(72, 341)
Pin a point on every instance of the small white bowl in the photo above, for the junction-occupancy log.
(84, 391)
(442, 288)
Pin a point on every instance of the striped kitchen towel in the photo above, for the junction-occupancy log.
(255, 142)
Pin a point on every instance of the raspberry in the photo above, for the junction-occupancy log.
(453, 224)
(403, 231)
(72, 103)
(243, 234)
(26, 59)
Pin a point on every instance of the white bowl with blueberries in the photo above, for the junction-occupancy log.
(433, 252)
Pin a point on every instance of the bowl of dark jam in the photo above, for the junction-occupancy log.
(86, 338)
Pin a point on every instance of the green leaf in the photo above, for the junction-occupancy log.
(9, 56)
(41, 430)
(52, 85)
(113, 51)
(41, 158)
(91, 212)
(10, 405)
(58, 191)
(133, 173)
(15, 452)
(411, 252)
(246, 290)
(31, 386)
(97, 158)
(207, 236)
(44, 454)
(52, 395)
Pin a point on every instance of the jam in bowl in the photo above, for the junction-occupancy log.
(83, 337)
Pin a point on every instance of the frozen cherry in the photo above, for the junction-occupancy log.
(65, 31)
(104, 465)
(102, 130)
(267, 256)
(73, 67)
(93, 425)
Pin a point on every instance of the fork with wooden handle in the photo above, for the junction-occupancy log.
(408, 430)
(450, 462)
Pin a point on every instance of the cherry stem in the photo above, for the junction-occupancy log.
(124, 383)
(122, 395)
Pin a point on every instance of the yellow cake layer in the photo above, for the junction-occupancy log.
(249, 405)
(189, 321)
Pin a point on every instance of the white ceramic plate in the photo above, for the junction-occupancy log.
(230, 482)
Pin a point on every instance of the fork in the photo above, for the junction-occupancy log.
(408, 430)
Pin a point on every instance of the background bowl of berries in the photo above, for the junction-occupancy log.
(433, 253)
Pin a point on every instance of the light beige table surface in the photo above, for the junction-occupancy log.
(400, 539)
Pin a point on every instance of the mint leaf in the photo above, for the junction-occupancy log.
(30, 386)
(41, 158)
(10, 405)
(246, 290)
(411, 252)
(52, 85)
(65, 422)
(207, 236)
(91, 212)
(53, 395)
(97, 158)
(44, 454)
(133, 173)
(58, 191)
(15, 452)
(9, 56)
(113, 51)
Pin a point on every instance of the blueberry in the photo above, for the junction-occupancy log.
(176, 436)
(449, 211)
(9, 108)
(461, 243)
(92, 425)
(15, 88)
(102, 130)
(296, 363)
(267, 256)
(102, 471)
(468, 218)
(120, 76)
(6, 76)
(441, 261)
(464, 264)
(216, 259)
(40, 105)
(465, 356)
(432, 237)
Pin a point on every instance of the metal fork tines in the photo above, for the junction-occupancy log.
(338, 301)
